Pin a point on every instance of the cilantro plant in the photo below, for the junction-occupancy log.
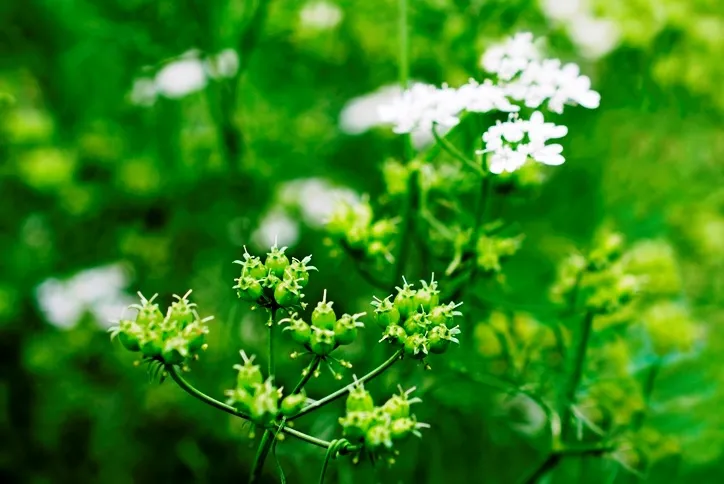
(439, 220)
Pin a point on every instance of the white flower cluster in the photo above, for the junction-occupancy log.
(526, 78)
(512, 142)
(185, 75)
(523, 79)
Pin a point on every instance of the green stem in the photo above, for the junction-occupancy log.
(404, 66)
(271, 324)
(267, 440)
(408, 227)
(555, 457)
(574, 381)
(342, 391)
(191, 390)
(452, 150)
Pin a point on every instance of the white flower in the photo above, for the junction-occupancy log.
(98, 291)
(511, 56)
(180, 78)
(422, 106)
(485, 97)
(363, 112)
(276, 227)
(512, 142)
(507, 159)
(320, 15)
(556, 84)
(223, 64)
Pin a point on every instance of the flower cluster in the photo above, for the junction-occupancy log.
(376, 428)
(354, 224)
(522, 80)
(525, 78)
(173, 339)
(276, 281)
(416, 320)
(513, 142)
(259, 398)
(326, 332)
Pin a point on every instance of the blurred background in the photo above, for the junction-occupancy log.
(143, 143)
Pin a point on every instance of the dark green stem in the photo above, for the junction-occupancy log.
(404, 66)
(574, 381)
(342, 391)
(191, 390)
(408, 228)
(452, 150)
(555, 457)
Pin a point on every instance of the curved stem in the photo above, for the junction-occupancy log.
(191, 390)
(452, 150)
(342, 391)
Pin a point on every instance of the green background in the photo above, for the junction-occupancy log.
(172, 191)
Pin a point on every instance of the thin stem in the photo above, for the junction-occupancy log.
(272, 323)
(191, 390)
(267, 440)
(647, 390)
(342, 391)
(452, 150)
(404, 66)
(555, 457)
(577, 372)
(408, 228)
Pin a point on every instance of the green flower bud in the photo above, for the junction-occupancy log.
(345, 329)
(386, 313)
(405, 300)
(322, 341)
(249, 374)
(276, 261)
(323, 316)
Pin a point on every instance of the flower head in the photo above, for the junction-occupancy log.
(512, 142)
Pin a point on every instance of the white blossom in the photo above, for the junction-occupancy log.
(511, 56)
(180, 78)
(512, 142)
(485, 97)
(320, 15)
(549, 81)
(421, 107)
(98, 291)
(225, 64)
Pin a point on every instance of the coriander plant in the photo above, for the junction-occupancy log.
(440, 222)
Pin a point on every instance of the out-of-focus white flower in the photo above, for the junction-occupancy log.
(276, 227)
(562, 9)
(144, 92)
(556, 84)
(593, 36)
(99, 291)
(362, 113)
(485, 97)
(512, 142)
(320, 15)
(315, 198)
(225, 64)
(422, 106)
(511, 56)
(180, 78)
